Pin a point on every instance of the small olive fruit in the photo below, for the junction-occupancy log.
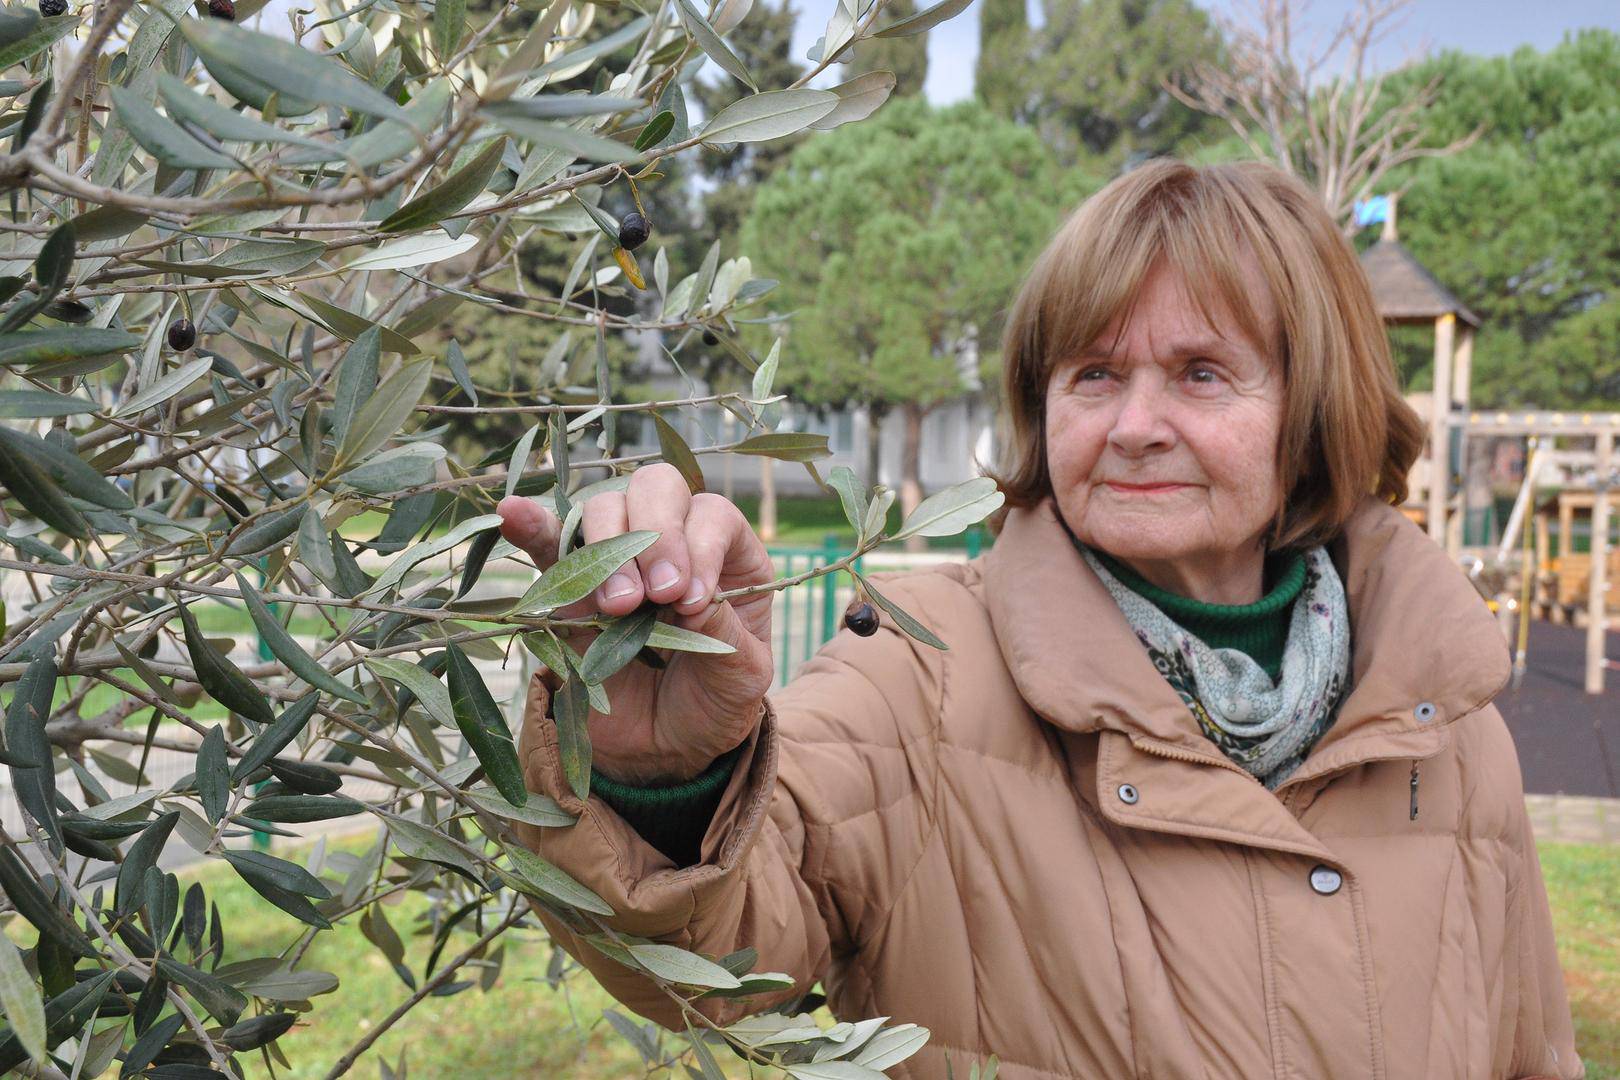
(50, 8)
(709, 338)
(861, 618)
(633, 231)
(182, 335)
(222, 9)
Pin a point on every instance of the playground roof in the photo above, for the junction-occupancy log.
(1405, 290)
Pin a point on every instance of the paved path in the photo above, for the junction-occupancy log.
(1568, 740)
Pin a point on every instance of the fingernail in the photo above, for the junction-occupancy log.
(694, 594)
(663, 576)
(618, 585)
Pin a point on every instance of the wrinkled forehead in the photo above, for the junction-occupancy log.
(1193, 306)
(1220, 279)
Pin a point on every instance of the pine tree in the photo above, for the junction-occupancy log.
(1001, 78)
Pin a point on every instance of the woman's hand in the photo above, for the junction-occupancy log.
(669, 725)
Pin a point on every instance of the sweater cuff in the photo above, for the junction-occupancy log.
(674, 817)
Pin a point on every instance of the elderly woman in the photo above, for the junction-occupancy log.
(1208, 783)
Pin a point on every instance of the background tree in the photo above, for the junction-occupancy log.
(228, 263)
(1523, 225)
(897, 243)
(1341, 135)
(1092, 77)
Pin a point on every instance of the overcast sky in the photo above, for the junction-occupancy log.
(1477, 26)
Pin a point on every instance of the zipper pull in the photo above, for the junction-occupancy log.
(1414, 791)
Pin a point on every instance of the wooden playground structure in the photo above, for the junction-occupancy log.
(1568, 586)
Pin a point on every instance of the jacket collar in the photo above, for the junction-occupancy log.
(1419, 633)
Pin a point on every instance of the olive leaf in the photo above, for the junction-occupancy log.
(284, 648)
(213, 776)
(618, 644)
(573, 576)
(275, 738)
(459, 189)
(902, 619)
(948, 512)
(483, 727)
(34, 781)
(222, 679)
(673, 449)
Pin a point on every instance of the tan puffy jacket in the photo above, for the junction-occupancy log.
(1026, 845)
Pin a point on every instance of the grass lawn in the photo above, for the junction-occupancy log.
(1583, 885)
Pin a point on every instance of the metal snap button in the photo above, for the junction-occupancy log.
(1127, 794)
(1425, 711)
(1325, 879)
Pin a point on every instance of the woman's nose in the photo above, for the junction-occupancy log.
(1141, 423)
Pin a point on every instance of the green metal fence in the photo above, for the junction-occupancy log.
(810, 613)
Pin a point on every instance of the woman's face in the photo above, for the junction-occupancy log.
(1182, 402)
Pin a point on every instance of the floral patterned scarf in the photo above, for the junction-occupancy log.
(1264, 727)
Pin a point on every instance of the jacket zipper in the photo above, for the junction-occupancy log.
(1285, 794)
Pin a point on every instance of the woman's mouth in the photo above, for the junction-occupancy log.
(1144, 489)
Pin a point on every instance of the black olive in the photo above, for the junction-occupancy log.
(222, 9)
(50, 8)
(346, 123)
(633, 231)
(182, 335)
(709, 338)
(861, 618)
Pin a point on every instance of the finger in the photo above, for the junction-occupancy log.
(738, 677)
(657, 499)
(603, 518)
(531, 528)
(713, 524)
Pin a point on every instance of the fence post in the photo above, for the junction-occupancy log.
(974, 539)
(787, 618)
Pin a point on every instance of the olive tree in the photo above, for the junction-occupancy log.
(227, 256)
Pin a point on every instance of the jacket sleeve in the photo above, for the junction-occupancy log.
(1543, 1034)
(820, 824)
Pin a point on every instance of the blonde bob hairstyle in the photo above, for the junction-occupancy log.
(1346, 431)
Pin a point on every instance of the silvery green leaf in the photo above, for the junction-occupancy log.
(573, 576)
(710, 43)
(857, 99)
(766, 374)
(668, 636)
(411, 556)
(923, 20)
(769, 115)
(457, 361)
(412, 251)
(833, 1070)
(680, 966)
(948, 512)
(901, 617)
(26, 347)
(449, 197)
(252, 66)
(851, 493)
(520, 458)
(31, 404)
(162, 137)
(383, 415)
(629, 32)
(432, 693)
(877, 512)
(421, 842)
(572, 141)
(532, 874)
(396, 469)
(20, 999)
(164, 388)
(71, 472)
(284, 648)
(538, 810)
(356, 381)
(618, 644)
(786, 446)
(892, 1046)
(222, 122)
(389, 139)
(562, 106)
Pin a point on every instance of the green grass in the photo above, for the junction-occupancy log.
(1583, 886)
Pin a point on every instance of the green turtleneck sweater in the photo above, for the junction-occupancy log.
(673, 819)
